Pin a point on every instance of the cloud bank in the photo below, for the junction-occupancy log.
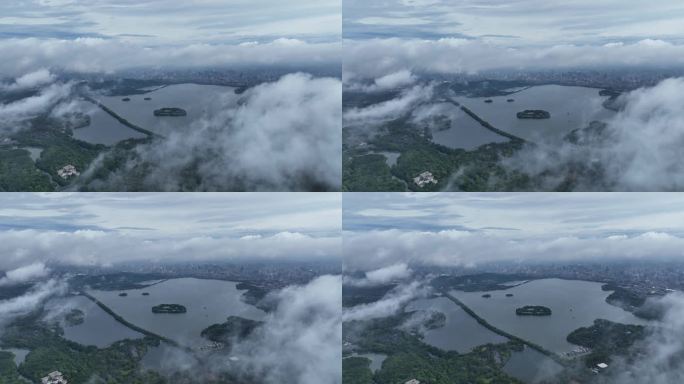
(379, 248)
(639, 150)
(98, 55)
(286, 135)
(103, 248)
(302, 340)
(376, 58)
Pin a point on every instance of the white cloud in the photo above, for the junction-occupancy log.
(301, 341)
(92, 55)
(640, 150)
(388, 305)
(375, 249)
(92, 247)
(286, 135)
(24, 274)
(380, 57)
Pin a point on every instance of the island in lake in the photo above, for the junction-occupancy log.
(170, 112)
(74, 317)
(123, 294)
(533, 114)
(169, 308)
(486, 295)
(533, 310)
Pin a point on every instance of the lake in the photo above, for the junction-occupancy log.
(530, 366)
(199, 101)
(103, 128)
(463, 131)
(573, 303)
(570, 108)
(460, 333)
(207, 301)
(98, 327)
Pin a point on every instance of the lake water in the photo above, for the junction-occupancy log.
(573, 303)
(207, 301)
(460, 333)
(531, 366)
(570, 108)
(464, 132)
(103, 128)
(98, 327)
(199, 101)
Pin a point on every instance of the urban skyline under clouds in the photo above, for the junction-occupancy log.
(106, 228)
(468, 229)
(517, 23)
(161, 22)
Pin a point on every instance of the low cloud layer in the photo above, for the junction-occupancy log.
(16, 307)
(376, 249)
(370, 59)
(102, 248)
(639, 150)
(15, 115)
(286, 135)
(97, 55)
(381, 276)
(389, 304)
(24, 274)
(301, 341)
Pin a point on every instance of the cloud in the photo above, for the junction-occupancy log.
(369, 59)
(30, 80)
(381, 276)
(13, 308)
(286, 135)
(301, 341)
(389, 304)
(658, 359)
(375, 249)
(104, 248)
(391, 81)
(639, 150)
(24, 274)
(15, 115)
(97, 55)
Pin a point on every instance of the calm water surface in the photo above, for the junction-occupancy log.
(207, 301)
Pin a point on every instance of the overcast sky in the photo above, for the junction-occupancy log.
(465, 229)
(517, 22)
(105, 228)
(172, 21)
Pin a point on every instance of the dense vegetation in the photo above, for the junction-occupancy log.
(19, 173)
(49, 352)
(356, 370)
(533, 310)
(409, 358)
(234, 328)
(606, 339)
